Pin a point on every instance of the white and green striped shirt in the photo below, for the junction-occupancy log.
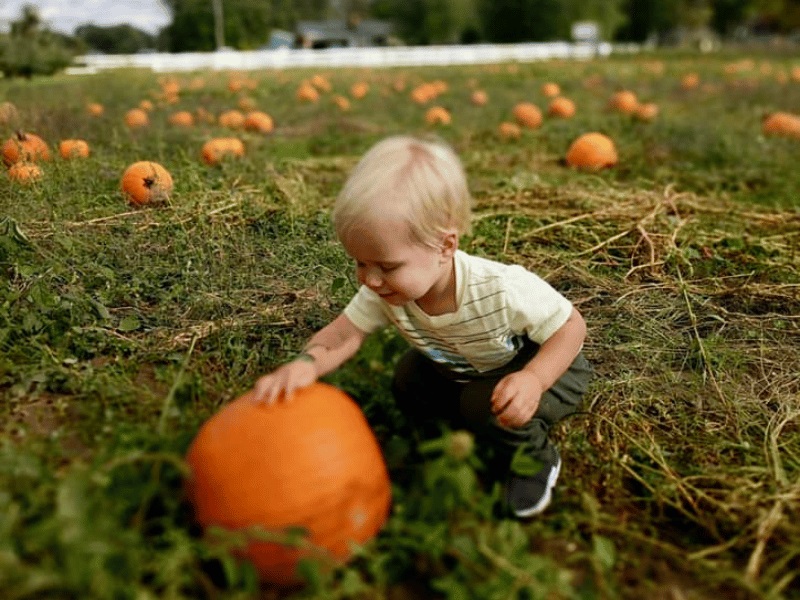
(497, 306)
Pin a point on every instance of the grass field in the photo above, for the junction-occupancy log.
(122, 329)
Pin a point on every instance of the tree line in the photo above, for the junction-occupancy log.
(28, 48)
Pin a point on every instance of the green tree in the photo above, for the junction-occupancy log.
(521, 20)
(118, 39)
(29, 50)
(247, 24)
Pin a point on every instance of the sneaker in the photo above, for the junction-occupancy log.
(529, 496)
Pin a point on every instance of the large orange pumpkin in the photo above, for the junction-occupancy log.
(311, 463)
(592, 151)
(23, 146)
(146, 182)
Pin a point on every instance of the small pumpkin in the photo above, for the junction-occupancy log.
(73, 148)
(341, 101)
(479, 98)
(307, 93)
(24, 172)
(359, 89)
(216, 149)
(561, 107)
(26, 147)
(423, 93)
(592, 151)
(95, 109)
(624, 102)
(136, 118)
(509, 131)
(311, 464)
(437, 115)
(182, 118)
(550, 89)
(527, 114)
(232, 119)
(246, 104)
(146, 105)
(690, 81)
(259, 122)
(781, 124)
(320, 82)
(146, 182)
(646, 111)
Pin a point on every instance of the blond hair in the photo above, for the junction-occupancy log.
(421, 181)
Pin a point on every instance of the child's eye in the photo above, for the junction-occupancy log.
(389, 268)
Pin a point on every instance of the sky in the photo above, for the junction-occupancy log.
(65, 15)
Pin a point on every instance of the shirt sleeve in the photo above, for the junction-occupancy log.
(365, 311)
(535, 307)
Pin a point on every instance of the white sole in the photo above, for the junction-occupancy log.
(548, 495)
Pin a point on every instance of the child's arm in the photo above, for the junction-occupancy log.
(516, 397)
(326, 351)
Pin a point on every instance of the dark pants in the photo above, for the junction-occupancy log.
(426, 393)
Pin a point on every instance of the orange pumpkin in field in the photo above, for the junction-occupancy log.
(647, 111)
(623, 101)
(527, 115)
(550, 89)
(232, 119)
(509, 131)
(26, 147)
(341, 101)
(73, 149)
(182, 118)
(561, 107)
(216, 149)
(311, 463)
(359, 89)
(258, 121)
(95, 109)
(437, 115)
(307, 93)
(146, 182)
(781, 124)
(136, 117)
(24, 172)
(592, 151)
(479, 98)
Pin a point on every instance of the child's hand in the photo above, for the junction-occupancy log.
(283, 381)
(516, 397)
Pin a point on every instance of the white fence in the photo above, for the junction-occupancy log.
(403, 56)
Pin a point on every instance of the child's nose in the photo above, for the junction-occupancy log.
(372, 278)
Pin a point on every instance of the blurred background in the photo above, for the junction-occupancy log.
(42, 36)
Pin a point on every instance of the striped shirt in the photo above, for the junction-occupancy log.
(497, 306)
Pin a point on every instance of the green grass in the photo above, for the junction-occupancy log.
(123, 329)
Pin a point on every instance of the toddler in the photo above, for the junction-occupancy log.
(494, 348)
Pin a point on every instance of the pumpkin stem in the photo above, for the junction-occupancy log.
(21, 136)
(149, 181)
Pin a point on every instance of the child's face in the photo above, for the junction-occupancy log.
(397, 268)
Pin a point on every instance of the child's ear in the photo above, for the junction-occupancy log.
(449, 243)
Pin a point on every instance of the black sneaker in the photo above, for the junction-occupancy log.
(529, 496)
